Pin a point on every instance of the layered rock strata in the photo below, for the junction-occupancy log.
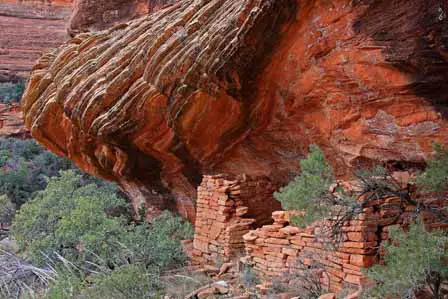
(208, 86)
(27, 29)
(102, 14)
(184, 70)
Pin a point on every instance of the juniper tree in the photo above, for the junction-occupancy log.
(415, 260)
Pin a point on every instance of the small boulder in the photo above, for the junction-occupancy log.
(250, 237)
(208, 293)
(225, 268)
(211, 269)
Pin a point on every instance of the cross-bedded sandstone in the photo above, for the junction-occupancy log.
(232, 86)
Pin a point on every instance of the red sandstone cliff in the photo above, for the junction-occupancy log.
(101, 14)
(31, 27)
(27, 29)
(11, 121)
(240, 86)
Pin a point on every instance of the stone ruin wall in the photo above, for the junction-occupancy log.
(226, 228)
(227, 209)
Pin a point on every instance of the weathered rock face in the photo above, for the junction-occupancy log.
(11, 121)
(244, 87)
(28, 28)
(102, 14)
(155, 5)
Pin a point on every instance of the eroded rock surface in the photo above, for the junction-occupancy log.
(27, 29)
(102, 14)
(207, 86)
(11, 121)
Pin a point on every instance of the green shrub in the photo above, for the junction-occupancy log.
(68, 218)
(66, 221)
(413, 260)
(11, 91)
(128, 281)
(7, 209)
(435, 177)
(25, 166)
(68, 283)
(157, 244)
(307, 191)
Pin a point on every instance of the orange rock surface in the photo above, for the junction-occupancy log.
(11, 121)
(241, 86)
(27, 29)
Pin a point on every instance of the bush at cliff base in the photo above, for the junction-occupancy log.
(128, 281)
(414, 260)
(25, 165)
(66, 221)
(417, 259)
(435, 177)
(306, 191)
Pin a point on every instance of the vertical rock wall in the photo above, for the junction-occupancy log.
(27, 29)
(102, 14)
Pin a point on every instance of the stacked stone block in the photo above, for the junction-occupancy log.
(283, 250)
(228, 208)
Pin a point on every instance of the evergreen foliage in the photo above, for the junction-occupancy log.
(414, 259)
(308, 191)
(68, 219)
(435, 177)
(109, 258)
(25, 166)
(128, 281)
(7, 209)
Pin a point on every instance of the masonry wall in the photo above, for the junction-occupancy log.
(282, 250)
(238, 217)
(228, 208)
